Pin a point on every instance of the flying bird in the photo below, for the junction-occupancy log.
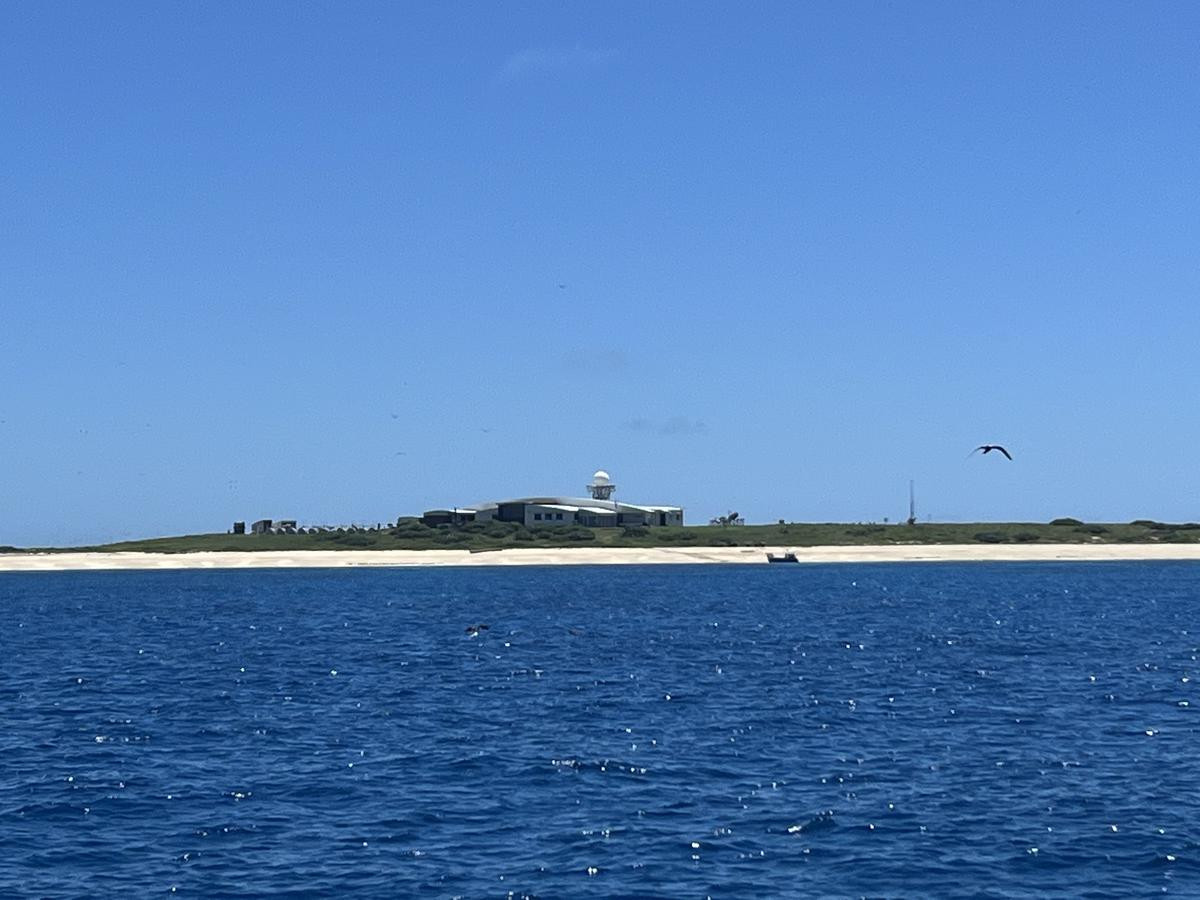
(988, 448)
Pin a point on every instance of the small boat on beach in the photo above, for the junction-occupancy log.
(788, 557)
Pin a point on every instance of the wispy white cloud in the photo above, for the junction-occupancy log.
(536, 60)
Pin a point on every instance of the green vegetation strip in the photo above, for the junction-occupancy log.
(410, 534)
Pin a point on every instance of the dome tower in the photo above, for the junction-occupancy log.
(601, 487)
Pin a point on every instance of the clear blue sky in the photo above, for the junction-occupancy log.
(303, 260)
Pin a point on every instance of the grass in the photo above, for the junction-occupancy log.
(410, 534)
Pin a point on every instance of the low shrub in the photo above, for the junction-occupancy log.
(989, 537)
(865, 530)
(676, 535)
(1176, 537)
(1026, 537)
(1065, 521)
(501, 529)
(1091, 529)
(411, 528)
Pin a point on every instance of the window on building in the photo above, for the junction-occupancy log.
(537, 516)
(558, 516)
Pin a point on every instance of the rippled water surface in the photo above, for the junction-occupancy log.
(978, 730)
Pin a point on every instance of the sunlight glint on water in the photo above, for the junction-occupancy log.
(1007, 730)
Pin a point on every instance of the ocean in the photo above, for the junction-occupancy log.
(896, 730)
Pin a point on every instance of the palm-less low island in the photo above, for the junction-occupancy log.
(599, 529)
(410, 542)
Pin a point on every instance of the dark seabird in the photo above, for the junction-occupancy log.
(988, 448)
(473, 630)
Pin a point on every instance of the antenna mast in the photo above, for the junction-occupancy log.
(912, 504)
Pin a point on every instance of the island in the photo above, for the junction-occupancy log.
(410, 541)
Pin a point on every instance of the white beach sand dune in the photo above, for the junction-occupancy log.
(43, 562)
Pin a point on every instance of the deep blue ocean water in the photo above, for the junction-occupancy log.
(908, 730)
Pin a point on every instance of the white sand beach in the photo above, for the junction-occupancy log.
(49, 562)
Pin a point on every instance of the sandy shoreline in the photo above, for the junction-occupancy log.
(270, 559)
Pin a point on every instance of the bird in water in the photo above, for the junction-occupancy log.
(988, 448)
(473, 630)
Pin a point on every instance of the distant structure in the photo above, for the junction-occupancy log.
(601, 487)
(270, 526)
(731, 518)
(292, 526)
(912, 505)
(598, 510)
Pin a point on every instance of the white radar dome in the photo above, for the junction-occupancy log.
(601, 477)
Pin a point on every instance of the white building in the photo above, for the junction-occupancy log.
(597, 511)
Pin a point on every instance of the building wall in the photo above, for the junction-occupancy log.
(511, 512)
(435, 517)
(651, 517)
(597, 520)
(536, 511)
(536, 515)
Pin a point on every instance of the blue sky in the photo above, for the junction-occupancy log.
(304, 260)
